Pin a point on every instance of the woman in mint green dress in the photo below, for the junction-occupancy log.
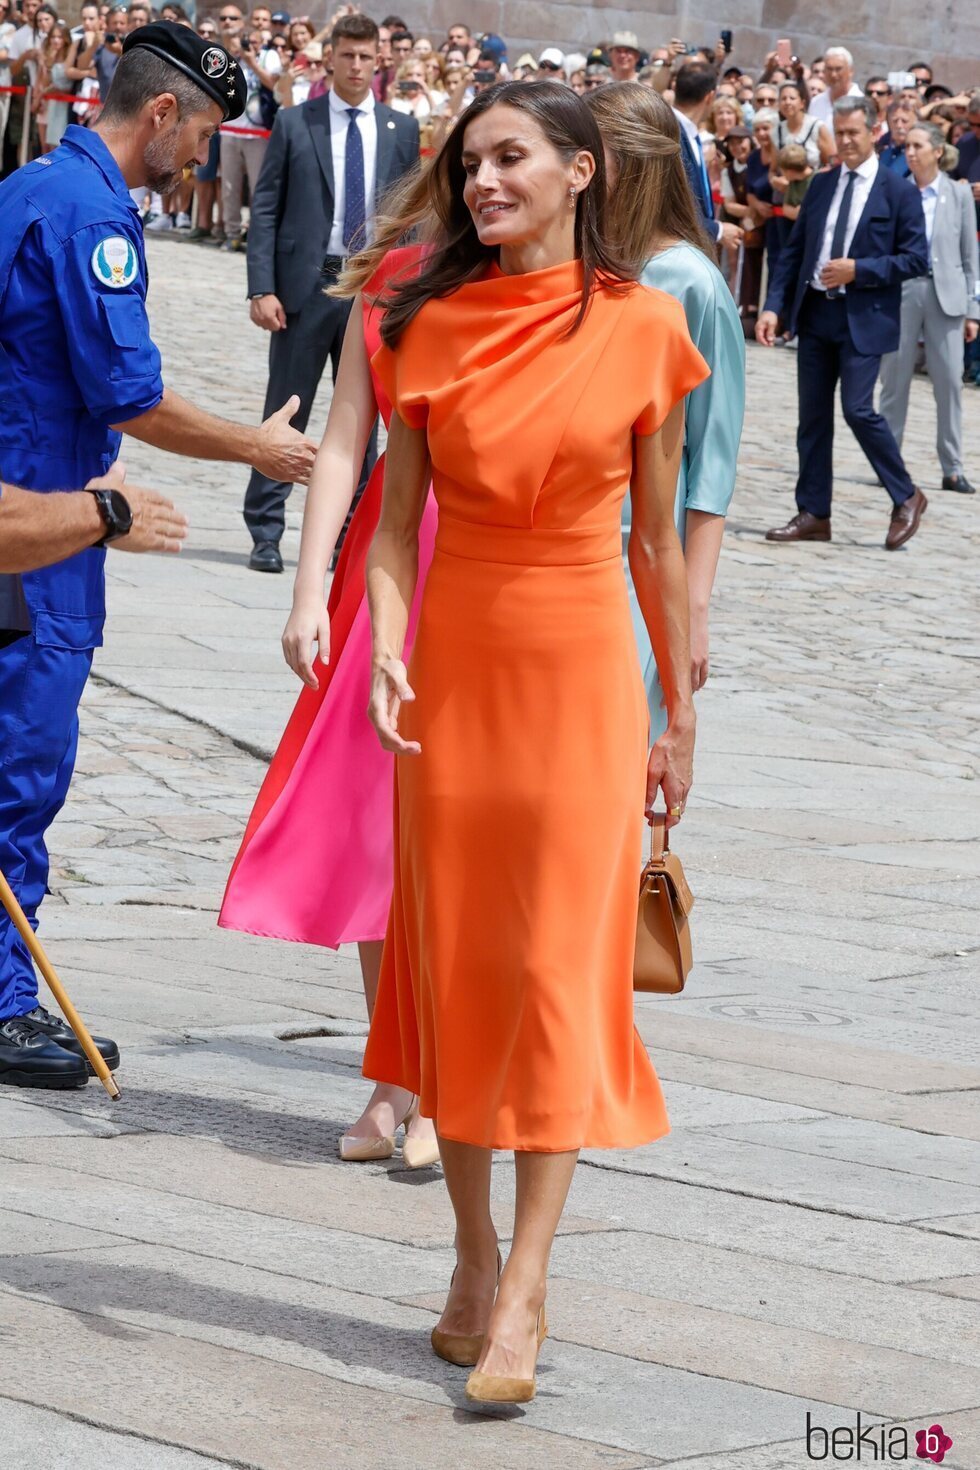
(653, 219)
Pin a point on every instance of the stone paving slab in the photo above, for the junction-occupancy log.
(22, 1120)
(245, 1408)
(38, 1437)
(666, 1023)
(949, 1112)
(857, 1141)
(873, 1313)
(816, 1367)
(780, 1173)
(331, 1334)
(23, 1233)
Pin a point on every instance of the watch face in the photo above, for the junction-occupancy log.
(122, 515)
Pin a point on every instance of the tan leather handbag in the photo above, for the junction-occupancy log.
(662, 959)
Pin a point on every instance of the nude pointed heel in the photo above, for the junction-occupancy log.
(461, 1348)
(362, 1150)
(419, 1153)
(487, 1388)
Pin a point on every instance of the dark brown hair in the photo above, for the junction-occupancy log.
(456, 254)
(354, 28)
(652, 197)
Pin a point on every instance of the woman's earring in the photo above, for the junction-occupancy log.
(572, 197)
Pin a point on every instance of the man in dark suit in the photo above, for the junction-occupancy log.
(968, 165)
(838, 286)
(694, 92)
(328, 165)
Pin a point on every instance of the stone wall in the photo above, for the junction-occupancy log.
(884, 35)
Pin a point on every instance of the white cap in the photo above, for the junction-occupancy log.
(552, 54)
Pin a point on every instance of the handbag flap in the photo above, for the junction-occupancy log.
(674, 874)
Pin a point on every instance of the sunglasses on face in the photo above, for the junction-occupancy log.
(877, 92)
(548, 66)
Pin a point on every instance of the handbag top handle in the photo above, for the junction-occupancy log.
(659, 841)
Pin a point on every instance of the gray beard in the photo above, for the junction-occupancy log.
(162, 171)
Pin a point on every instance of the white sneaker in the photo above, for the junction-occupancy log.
(158, 224)
(183, 220)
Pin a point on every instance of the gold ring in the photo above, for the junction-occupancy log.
(675, 811)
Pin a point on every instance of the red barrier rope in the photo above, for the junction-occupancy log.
(245, 132)
(56, 97)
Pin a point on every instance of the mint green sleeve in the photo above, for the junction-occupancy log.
(716, 407)
(712, 419)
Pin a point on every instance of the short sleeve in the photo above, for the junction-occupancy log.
(100, 287)
(716, 407)
(671, 362)
(394, 367)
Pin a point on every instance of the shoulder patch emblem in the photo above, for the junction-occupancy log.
(214, 62)
(114, 262)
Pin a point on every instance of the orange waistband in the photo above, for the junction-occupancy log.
(526, 545)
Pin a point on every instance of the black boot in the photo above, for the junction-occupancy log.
(60, 1032)
(29, 1058)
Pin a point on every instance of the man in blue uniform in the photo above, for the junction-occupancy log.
(77, 367)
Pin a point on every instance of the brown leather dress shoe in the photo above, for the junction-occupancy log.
(803, 527)
(905, 520)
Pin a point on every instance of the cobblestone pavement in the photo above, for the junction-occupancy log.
(191, 1278)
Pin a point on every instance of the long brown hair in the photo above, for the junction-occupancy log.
(652, 196)
(456, 255)
(406, 214)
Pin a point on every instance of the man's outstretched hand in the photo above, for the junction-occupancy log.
(284, 453)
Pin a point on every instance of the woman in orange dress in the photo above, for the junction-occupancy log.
(539, 383)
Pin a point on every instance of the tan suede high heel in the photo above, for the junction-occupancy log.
(461, 1348)
(487, 1388)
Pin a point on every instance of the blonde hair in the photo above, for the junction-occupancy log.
(652, 196)
(950, 155)
(404, 67)
(724, 99)
(793, 155)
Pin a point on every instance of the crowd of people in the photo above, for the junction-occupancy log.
(761, 133)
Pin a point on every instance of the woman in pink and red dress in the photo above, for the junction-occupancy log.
(316, 864)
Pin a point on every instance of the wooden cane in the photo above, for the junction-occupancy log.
(19, 920)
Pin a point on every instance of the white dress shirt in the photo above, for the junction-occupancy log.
(367, 126)
(822, 106)
(930, 198)
(25, 39)
(865, 175)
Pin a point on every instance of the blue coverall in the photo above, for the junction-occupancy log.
(75, 357)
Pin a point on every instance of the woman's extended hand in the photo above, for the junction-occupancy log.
(308, 625)
(390, 689)
(671, 767)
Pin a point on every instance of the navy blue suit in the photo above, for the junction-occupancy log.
(703, 201)
(843, 339)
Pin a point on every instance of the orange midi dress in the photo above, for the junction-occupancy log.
(505, 999)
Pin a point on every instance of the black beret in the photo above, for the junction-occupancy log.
(208, 65)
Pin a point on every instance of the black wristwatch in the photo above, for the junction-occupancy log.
(116, 512)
